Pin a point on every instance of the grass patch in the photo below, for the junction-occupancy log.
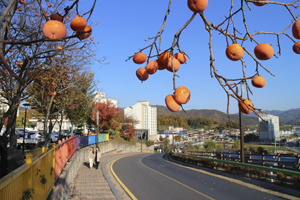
(36, 152)
(118, 139)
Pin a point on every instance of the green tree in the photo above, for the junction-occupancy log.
(166, 146)
(210, 146)
(236, 145)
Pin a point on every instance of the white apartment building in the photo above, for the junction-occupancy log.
(269, 131)
(145, 115)
(100, 97)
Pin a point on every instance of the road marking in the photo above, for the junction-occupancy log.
(175, 180)
(237, 182)
(120, 182)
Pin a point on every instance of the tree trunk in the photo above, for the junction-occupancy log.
(60, 124)
(72, 124)
(11, 124)
(47, 138)
(3, 153)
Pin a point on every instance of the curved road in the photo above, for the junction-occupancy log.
(149, 176)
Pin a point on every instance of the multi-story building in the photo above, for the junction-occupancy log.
(146, 116)
(100, 97)
(269, 131)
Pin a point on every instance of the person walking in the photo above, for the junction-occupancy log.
(98, 157)
(91, 157)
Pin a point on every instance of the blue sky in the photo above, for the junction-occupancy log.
(125, 25)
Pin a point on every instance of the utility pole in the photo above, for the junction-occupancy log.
(97, 128)
(241, 124)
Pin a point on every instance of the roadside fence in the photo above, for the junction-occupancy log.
(284, 161)
(35, 179)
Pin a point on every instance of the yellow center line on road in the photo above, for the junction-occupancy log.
(120, 182)
(175, 180)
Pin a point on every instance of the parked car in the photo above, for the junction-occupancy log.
(32, 138)
(32, 135)
(65, 133)
(54, 136)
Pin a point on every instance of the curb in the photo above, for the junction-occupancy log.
(113, 189)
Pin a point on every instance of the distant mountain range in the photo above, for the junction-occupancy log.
(285, 117)
(291, 116)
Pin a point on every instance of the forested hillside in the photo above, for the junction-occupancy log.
(165, 120)
(215, 115)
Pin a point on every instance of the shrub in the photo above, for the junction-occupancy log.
(296, 182)
(280, 178)
(149, 143)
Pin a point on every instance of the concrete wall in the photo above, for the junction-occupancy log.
(64, 182)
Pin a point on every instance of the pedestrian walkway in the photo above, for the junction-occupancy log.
(91, 184)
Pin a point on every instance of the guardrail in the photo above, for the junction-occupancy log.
(284, 161)
(269, 169)
(36, 178)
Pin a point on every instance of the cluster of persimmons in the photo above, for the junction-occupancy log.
(170, 63)
(56, 29)
(234, 52)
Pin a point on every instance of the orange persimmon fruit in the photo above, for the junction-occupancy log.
(139, 58)
(78, 23)
(20, 9)
(296, 29)
(161, 66)
(197, 6)
(168, 64)
(56, 16)
(243, 108)
(54, 29)
(164, 56)
(180, 57)
(259, 4)
(67, 17)
(10, 50)
(234, 52)
(258, 81)
(21, 1)
(142, 74)
(19, 63)
(263, 51)
(152, 67)
(182, 95)
(86, 35)
(296, 47)
(5, 72)
(171, 103)
(92, 39)
(36, 14)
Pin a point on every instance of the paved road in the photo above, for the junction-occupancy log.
(149, 176)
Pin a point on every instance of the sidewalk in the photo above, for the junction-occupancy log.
(91, 184)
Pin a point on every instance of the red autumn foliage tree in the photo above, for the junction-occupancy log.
(127, 131)
(107, 112)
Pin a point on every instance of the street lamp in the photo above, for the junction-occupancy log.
(26, 105)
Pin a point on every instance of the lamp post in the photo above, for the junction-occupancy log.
(26, 105)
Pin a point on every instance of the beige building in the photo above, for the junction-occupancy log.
(146, 116)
